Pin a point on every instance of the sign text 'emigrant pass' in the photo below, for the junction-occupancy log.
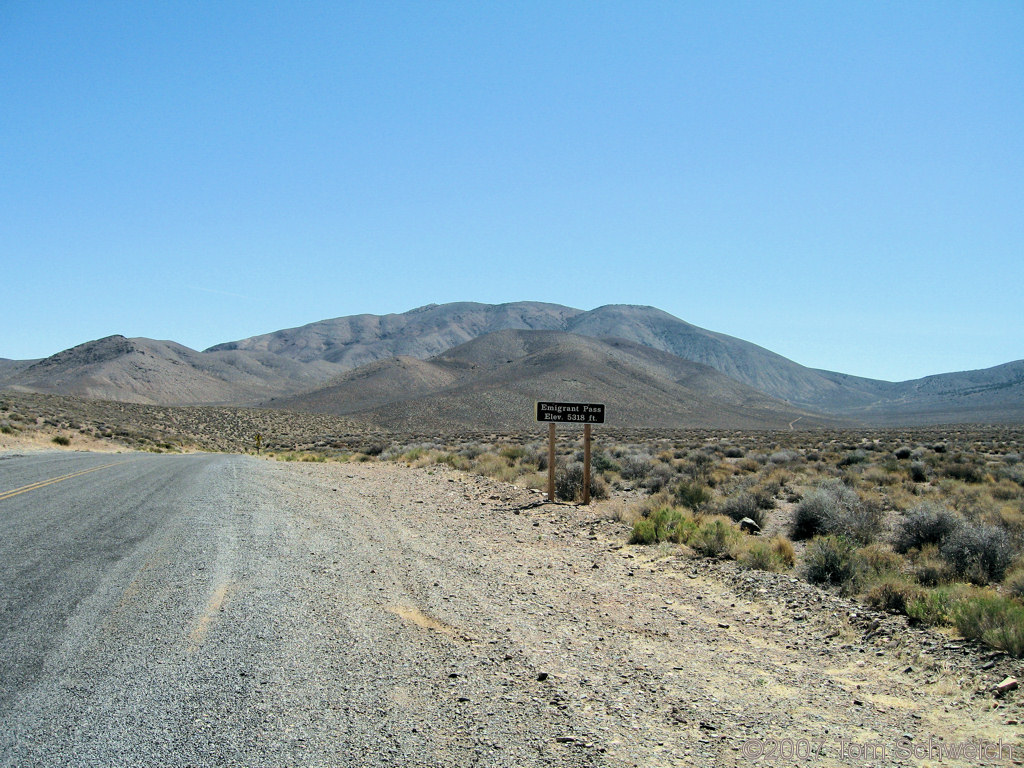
(578, 413)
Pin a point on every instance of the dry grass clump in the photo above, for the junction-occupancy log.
(776, 554)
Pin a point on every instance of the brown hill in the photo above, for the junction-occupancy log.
(163, 372)
(293, 360)
(977, 396)
(424, 332)
(492, 383)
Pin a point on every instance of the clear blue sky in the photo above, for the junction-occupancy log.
(842, 183)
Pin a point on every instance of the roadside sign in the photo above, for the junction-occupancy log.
(573, 413)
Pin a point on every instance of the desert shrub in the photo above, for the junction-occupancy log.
(601, 462)
(837, 510)
(453, 460)
(748, 464)
(715, 536)
(414, 454)
(764, 495)
(919, 472)
(993, 619)
(742, 505)
(732, 452)
(635, 467)
(691, 494)
(928, 523)
(569, 483)
(894, 594)
(1005, 490)
(902, 452)
(832, 560)
(776, 555)
(698, 466)
(980, 553)
(858, 456)
(934, 606)
(62, 440)
(659, 478)
(880, 562)
(472, 450)
(930, 568)
(513, 453)
(663, 524)
(1014, 474)
(965, 472)
(1014, 583)
(783, 549)
(783, 457)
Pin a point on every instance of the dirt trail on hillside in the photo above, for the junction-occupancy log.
(600, 653)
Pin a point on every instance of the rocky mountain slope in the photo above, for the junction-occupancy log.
(493, 381)
(294, 360)
(166, 373)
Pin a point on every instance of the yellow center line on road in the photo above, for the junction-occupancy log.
(43, 483)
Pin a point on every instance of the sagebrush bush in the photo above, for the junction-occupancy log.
(967, 473)
(692, 495)
(880, 562)
(743, 505)
(980, 553)
(928, 523)
(776, 555)
(934, 606)
(832, 560)
(569, 483)
(919, 472)
(930, 568)
(635, 467)
(835, 509)
(663, 524)
(894, 594)
(659, 478)
(715, 536)
(994, 619)
(1014, 583)
(858, 456)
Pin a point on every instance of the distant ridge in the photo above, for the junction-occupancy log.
(284, 363)
(492, 382)
(164, 373)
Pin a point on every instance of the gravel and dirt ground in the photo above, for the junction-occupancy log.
(379, 615)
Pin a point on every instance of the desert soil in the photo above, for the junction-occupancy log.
(634, 656)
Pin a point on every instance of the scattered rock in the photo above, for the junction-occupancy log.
(1008, 684)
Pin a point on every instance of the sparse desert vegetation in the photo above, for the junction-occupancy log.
(927, 523)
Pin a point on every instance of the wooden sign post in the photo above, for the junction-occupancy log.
(571, 413)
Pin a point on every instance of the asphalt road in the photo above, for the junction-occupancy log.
(113, 568)
(215, 610)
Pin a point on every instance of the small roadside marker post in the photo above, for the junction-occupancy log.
(571, 413)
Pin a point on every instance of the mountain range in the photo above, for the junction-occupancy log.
(471, 365)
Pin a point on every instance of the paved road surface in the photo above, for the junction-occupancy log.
(191, 611)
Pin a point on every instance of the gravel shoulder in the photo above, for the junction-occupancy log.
(377, 615)
(648, 657)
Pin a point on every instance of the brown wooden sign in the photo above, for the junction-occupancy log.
(570, 413)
